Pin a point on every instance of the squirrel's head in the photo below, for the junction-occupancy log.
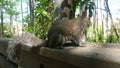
(86, 20)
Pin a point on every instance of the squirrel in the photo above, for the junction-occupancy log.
(68, 30)
(59, 33)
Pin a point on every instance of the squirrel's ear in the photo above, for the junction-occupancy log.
(84, 14)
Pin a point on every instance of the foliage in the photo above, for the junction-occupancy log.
(90, 35)
(6, 30)
(99, 37)
(112, 37)
(43, 18)
(8, 7)
(26, 19)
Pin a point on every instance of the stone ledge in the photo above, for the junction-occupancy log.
(90, 56)
(85, 56)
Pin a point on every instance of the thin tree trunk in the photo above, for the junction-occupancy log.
(106, 20)
(95, 20)
(11, 28)
(2, 29)
(11, 21)
(102, 18)
(21, 13)
(31, 6)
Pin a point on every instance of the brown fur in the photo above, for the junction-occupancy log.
(70, 2)
(15, 44)
(67, 30)
(66, 12)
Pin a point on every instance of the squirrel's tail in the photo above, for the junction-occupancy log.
(15, 44)
(13, 49)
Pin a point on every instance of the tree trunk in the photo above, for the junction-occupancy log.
(21, 12)
(2, 29)
(11, 21)
(11, 28)
(31, 6)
